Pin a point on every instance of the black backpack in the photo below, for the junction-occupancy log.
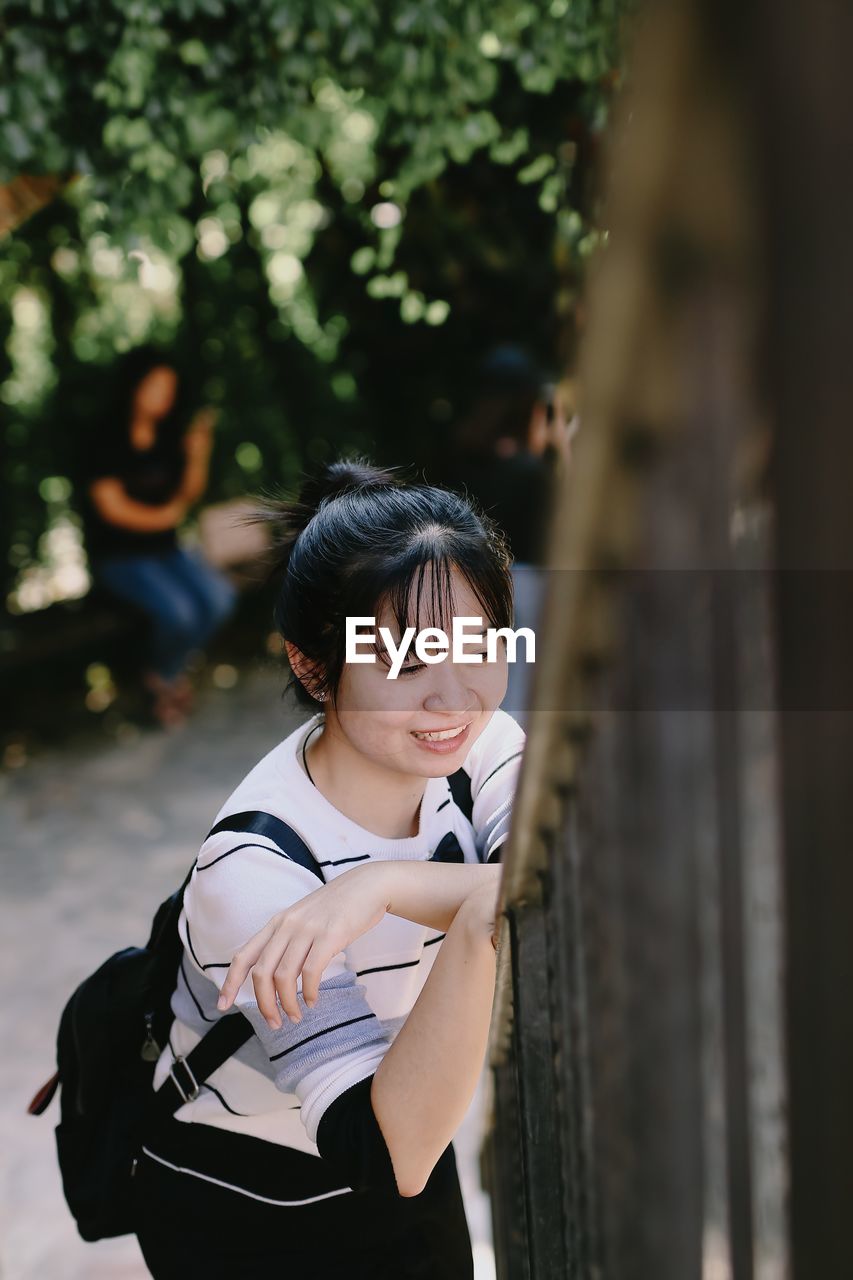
(110, 1036)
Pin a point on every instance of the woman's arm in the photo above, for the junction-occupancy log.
(425, 1082)
(112, 503)
(198, 443)
(304, 937)
(332, 1059)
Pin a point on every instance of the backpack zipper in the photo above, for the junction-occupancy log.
(150, 1050)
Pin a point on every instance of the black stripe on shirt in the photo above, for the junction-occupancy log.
(214, 964)
(498, 768)
(212, 1089)
(193, 997)
(326, 1031)
(384, 968)
(430, 941)
(362, 857)
(257, 823)
(190, 945)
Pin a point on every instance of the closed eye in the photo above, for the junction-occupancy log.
(411, 668)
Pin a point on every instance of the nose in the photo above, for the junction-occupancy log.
(448, 691)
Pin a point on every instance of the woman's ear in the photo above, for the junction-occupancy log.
(307, 672)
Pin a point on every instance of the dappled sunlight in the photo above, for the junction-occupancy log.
(60, 573)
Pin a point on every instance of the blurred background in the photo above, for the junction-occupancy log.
(590, 261)
(326, 221)
(323, 229)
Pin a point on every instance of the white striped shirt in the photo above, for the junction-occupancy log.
(278, 1086)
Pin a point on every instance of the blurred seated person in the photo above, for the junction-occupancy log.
(144, 467)
(508, 449)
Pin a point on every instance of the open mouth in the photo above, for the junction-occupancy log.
(442, 742)
(439, 735)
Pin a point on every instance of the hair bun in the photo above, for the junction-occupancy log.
(287, 518)
(337, 478)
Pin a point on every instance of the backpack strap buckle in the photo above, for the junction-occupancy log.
(188, 1089)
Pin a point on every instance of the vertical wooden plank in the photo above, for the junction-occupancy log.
(566, 944)
(803, 98)
(505, 1177)
(540, 1127)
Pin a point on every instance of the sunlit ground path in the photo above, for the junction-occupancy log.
(93, 838)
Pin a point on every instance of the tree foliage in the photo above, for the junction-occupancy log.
(139, 97)
(298, 193)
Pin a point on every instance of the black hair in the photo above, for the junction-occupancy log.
(357, 537)
(126, 375)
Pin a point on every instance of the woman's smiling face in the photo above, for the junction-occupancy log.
(423, 723)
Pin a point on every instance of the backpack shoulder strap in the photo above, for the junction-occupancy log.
(188, 1074)
(231, 1032)
(460, 789)
(276, 829)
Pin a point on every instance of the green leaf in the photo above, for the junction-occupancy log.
(537, 169)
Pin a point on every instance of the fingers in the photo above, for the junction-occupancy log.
(274, 978)
(239, 968)
(275, 957)
(316, 960)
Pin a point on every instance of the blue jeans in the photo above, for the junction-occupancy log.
(185, 598)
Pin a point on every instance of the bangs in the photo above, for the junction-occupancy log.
(373, 549)
(420, 592)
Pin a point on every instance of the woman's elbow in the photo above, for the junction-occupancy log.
(412, 1172)
(411, 1185)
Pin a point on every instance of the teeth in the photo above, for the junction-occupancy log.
(441, 735)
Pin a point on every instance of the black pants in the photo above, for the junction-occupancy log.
(190, 1227)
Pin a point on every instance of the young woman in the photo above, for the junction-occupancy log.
(143, 471)
(322, 1148)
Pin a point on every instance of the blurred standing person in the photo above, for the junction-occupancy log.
(507, 452)
(142, 471)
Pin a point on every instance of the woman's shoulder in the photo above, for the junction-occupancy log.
(267, 813)
(502, 737)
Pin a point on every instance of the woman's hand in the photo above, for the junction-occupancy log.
(303, 939)
(198, 445)
(199, 435)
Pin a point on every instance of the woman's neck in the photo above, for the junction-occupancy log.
(380, 800)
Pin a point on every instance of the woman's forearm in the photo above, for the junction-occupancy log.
(425, 1083)
(115, 506)
(195, 477)
(326, 921)
(428, 893)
